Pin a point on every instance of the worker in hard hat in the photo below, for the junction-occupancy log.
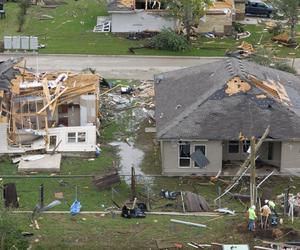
(252, 217)
(265, 212)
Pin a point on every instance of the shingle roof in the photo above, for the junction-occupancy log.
(7, 72)
(192, 103)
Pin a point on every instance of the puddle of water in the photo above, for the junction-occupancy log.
(129, 157)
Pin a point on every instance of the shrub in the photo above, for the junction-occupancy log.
(168, 39)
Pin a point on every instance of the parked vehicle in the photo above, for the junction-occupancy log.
(257, 7)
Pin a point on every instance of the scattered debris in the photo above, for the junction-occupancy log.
(187, 223)
(225, 211)
(169, 195)
(107, 180)
(195, 203)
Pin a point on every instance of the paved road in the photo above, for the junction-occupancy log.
(124, 67)
(118, 67)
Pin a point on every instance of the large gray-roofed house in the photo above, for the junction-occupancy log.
(209, 112)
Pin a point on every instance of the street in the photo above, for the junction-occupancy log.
(115, 67)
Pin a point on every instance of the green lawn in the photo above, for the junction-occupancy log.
(70, 31)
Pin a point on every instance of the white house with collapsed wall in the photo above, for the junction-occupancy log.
(49, 112)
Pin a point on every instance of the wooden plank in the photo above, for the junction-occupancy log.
(56, 92)
(53, 100)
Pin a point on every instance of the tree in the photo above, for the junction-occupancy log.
(290, 9)
(188, 12)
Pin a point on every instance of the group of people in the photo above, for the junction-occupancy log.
(266, 212)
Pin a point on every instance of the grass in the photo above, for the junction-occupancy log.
(70, 32)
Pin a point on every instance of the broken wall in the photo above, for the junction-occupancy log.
(170, 159)
(140, 21)
(87, 110)
(73, 139)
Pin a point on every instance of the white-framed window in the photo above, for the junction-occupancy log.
(81, 137)
(233, 147)
(71, 137)
(201, 148)
(76, 137)
(185, 155)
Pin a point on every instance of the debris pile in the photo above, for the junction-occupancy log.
(47, 111)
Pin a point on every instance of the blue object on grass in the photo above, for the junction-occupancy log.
(75, 207)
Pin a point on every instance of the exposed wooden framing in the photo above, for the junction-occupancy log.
(106, 92)
(53, 100)
(46, 90)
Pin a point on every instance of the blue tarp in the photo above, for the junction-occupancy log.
(75, 207)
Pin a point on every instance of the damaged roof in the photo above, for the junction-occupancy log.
(7, 72)
(219, 100)
(121, 5)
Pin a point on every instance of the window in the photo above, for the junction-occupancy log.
(72, 137)
(201, 148)
(270, 151)
(76, 137)
(81, 137)
(52, 141)
(246, 146)
(185, 155)
(233, 147)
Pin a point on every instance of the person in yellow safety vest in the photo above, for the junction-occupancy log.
(252, 218)
(272, 205)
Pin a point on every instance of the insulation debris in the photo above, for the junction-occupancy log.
(236, 85)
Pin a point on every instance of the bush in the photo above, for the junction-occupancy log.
(168, 39)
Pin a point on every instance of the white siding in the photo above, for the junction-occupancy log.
(65, 146)
(140, 21)
(290, 155)
(3, 136)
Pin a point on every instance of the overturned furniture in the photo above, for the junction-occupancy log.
(49, 111)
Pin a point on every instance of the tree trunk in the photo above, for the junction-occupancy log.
(293, 29)
(188, 16)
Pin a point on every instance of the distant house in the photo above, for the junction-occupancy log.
(138, 16)
(205, 116)
(150, 15)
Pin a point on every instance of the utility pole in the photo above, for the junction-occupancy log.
(253, 172)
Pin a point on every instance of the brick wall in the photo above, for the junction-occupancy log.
(216, 23)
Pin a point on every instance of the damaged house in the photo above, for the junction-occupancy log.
(205, 116)
(151, 15)
(48, 111)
